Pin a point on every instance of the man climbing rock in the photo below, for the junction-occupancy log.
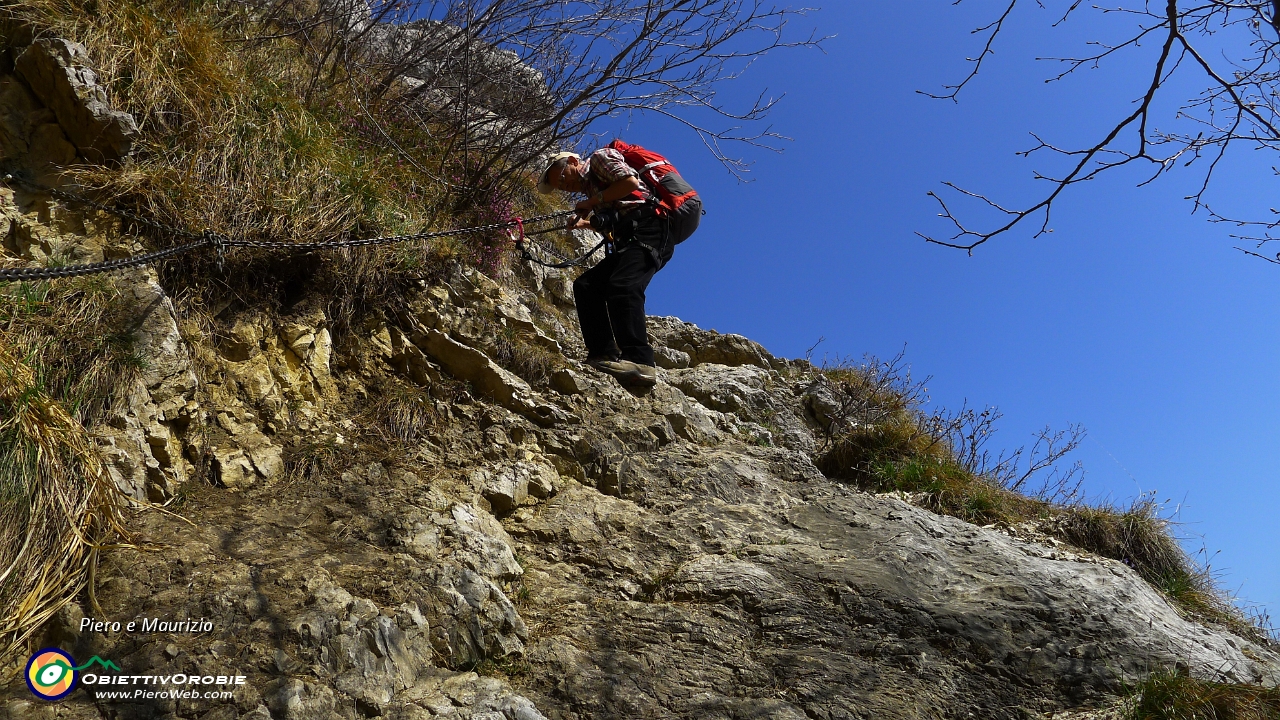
(638, 197)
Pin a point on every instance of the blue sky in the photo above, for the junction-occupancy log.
(1134, 317)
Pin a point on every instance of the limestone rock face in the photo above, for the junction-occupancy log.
(387, 521)
(848, 600)
(567, 382)
(676, 339)
(30, 131)
(744, 391)
(670, 359)
(58, 73)
(143, 438)
(667, 553)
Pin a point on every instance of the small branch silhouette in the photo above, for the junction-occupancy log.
(1240, 105)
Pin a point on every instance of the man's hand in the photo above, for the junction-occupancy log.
(577, 223)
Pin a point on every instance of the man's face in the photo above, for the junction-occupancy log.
(567, 178)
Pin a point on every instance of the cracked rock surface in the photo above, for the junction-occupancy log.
(585, 552)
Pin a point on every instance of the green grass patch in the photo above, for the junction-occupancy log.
(1171, 696)
(881, 440)
(79, 337)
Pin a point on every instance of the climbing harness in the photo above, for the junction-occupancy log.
(221, 243)
(617, 230)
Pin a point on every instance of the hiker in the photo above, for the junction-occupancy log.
(640, 199)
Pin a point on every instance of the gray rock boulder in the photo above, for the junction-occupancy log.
(143, 441)
(294, 699)
(507, 486)
(753, 394)
(670, 359)
(58, 73)
(29, 131)
(486, 376)
(705, 346)
(764, 586)
(476, 620)
(822, 401)
(567, 382)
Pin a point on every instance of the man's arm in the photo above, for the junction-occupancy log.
(618, 190)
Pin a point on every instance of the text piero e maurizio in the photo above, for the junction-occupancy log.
(194, 626)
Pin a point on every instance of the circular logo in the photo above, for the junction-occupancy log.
(51, 674)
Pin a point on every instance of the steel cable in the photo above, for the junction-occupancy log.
(220, 242)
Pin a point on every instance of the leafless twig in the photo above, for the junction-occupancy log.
(968, 431)
(500, 83)
(1240, 105)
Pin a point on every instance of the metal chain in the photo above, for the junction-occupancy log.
(567, 263)
(219, 242)
(385, 240)
(15, 274)
(547, 249)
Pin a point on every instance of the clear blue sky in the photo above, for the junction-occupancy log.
(1134, 317)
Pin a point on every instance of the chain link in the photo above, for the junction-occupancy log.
(388, 239)
(220, 243)
(16, 274)
(566, 261)
(547, 249)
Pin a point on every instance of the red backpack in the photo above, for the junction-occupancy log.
(658, 174)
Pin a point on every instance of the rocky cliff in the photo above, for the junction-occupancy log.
(435, 510)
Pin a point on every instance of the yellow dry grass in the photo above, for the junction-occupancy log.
(899, 449)
(1172, 696)
(57, 504)
(226, 142)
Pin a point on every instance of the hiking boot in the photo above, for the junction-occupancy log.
(599, 361)
(629, 373)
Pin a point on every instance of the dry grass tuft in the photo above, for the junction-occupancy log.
(1139, 537)
(78, 336)
(1171, 696)
(881, 440)
(310, 460)
(226, 140)
(1136, 536)
(57, 504)
(67, 353)
(405, 414)
(534, 363)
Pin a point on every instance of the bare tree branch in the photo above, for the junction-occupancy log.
(1239, 106)
(499, 83)
(992, 30)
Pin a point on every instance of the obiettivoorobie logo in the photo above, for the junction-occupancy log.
(52, 673)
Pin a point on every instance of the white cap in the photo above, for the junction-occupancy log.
(543, 186)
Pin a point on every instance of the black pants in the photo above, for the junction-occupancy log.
(610, 296)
